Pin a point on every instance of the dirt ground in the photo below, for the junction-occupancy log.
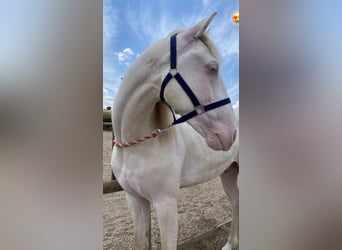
(201, 208)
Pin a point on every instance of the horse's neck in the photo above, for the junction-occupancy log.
(137, 109)
(141, 115)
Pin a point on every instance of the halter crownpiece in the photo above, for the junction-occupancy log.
(198, 107)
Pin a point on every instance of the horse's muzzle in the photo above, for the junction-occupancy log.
(221, 141)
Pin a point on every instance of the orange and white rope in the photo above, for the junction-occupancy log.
(127, 144)
(138, 140)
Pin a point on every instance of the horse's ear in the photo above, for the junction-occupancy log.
(198, 29)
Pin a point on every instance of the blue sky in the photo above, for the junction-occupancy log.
(131, 26)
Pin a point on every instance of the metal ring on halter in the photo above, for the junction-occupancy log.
(163, 130)
(199, 109)
(173, 71)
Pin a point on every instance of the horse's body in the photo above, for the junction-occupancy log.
(153, 171)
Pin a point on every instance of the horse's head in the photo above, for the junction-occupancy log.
(198, 64)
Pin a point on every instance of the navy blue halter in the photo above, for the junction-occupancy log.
(198, 108)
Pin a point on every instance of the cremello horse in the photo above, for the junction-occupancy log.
(173, 78)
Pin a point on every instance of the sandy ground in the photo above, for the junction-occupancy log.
(201, 208)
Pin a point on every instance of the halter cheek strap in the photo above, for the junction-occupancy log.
(173, 73)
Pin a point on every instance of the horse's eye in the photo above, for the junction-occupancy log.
(212, 68)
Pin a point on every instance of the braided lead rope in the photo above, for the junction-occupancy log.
(145, 138)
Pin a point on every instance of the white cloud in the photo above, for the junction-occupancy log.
(128, 51)
(125, 55)
(236, 105)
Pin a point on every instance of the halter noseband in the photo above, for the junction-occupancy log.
(198, 107)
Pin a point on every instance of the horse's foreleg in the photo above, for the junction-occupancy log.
(141, 214)
(229, 181)
(166, 210)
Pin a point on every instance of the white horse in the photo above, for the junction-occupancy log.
(152, 167)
